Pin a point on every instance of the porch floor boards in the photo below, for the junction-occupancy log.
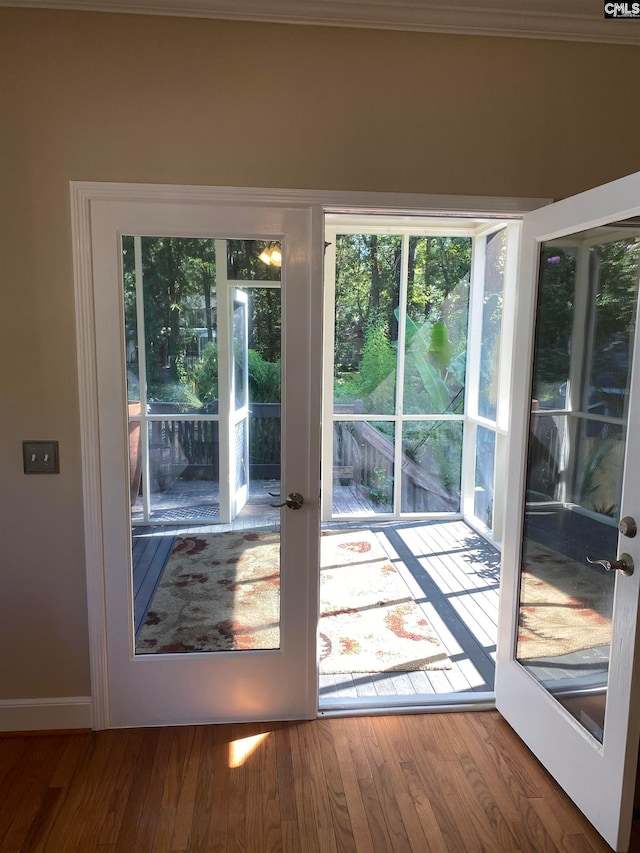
(453, 575)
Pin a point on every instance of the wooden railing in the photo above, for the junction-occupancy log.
(364, 457)
(189, 447)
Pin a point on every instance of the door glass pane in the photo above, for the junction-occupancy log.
(366, 321)
(437, 320)
(363, 466)
(495, 257)
(587, 297)
(431, 466)
(253, 260)
(206, 577)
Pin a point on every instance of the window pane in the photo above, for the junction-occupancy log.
(557, 279)
(264, 382)
(437, 318)
(264, 339)
(208, 589)
(366, 320)
(576, 462)
(363, 454)
(431, 466)
(495, 254)
(485, 460)
(246, 260)
(179, 291)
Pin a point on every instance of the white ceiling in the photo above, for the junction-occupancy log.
(569, 20)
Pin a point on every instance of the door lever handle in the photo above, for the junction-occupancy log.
(624, 564)
(294, 500)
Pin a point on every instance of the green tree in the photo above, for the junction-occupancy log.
(176, 271)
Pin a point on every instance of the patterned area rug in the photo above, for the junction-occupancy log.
(368, 619)
(222, 592)
(217, 593)
(565, 606)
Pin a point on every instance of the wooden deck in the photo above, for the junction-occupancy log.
(453, 574)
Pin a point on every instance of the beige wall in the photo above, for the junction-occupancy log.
(87, 96)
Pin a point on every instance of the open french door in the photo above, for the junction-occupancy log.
(268, 669)
(567, 668)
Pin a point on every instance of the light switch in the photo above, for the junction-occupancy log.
(40, 457)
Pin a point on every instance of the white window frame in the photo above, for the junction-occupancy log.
(477, 230)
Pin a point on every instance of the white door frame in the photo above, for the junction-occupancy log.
(83, 195)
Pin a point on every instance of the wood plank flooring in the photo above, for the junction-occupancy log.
(453, 574)
(150, 551)
(436, 783)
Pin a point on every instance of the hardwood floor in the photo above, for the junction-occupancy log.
(449, 783)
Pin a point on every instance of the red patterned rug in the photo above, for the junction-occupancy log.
(217, 593)
(221, 592)
(368, 619)
(565, 606)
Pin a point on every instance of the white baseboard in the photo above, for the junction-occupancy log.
(31, 715)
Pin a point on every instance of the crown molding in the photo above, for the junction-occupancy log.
(571, 20)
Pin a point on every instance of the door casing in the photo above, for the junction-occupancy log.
(84, 195)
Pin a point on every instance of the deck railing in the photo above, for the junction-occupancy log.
(364, 458)
(189, 447)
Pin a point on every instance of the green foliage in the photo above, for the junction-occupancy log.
(375, 382)
(367, 292)
(437, 266)
(436, 447)
(440, 348)
(614, 274)
(264, 379)
(177, 272)
(554, 320)
(205, 375)
(432, 382)
(380, 487)
(367, 316)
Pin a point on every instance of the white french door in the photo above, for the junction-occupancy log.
(567, 670)
(187, 682)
